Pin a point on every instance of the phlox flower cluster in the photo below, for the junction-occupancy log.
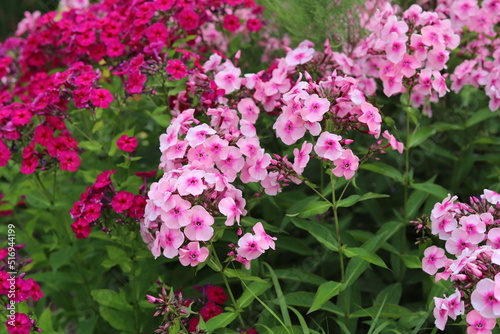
(101, 202)
(472, 240)
(200, 162)
(406, 51)
(478, 20)
(16, 289)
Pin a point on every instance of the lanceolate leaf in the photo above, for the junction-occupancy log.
(318, 231)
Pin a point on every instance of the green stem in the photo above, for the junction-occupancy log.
(229, 291)
(45, 191)
(340, 250)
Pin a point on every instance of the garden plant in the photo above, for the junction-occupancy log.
(246, 166)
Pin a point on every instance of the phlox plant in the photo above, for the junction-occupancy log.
(181, 167)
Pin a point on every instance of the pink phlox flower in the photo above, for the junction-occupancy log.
(248, 109)
(446, 206)
(314, 108)
(301, 55)
(271, 184)
(346, 165)
(297, 92)
(371, 117)
(212, 63)
(409, 65)
(432, 36)
(479, 324)
(289, 129)
(474, 227)
(170, 240)
(155, 247)
(248, 128)
(439, 84)
(395, 47)
(250, 246)
(258, 165)
(328, 146)
(393, 85)
(176, 213)
(191, 182)
(215, 145)
(229, 78)
(395, 145)
(437, 58)
(459, 241)
(434, 259)
(267, 241)
(483, 299)
(200, 157)
(176, 151)
(229, 208)
(392, 25)
(197, 135)
(301, 157)
(491, 196)
(192, 254)
(440, 312)
(199, 229)
(494, 238)
(230, 162)
(455, 306)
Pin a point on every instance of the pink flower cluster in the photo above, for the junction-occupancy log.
(200, 162)
(406, 51)
(479, 68)
(98, 202)
(472, 235)
(16, 289)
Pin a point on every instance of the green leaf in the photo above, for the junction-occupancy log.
(365, 255)
(90, 145)
(384, 169)
(280, 296)
(45, 321)
(411, 261)
(319, 231)
(353, 199)
(252, 290)
(314, 208)
(97, 126)
(61, 257)
(111, 299)
(302, 321)
(415, 201)
(117, 256)
(386, 311)
(431, 188)
(305, 299)
(419, 136)
(161, 117)
(480, 116)
(241, 274)
(299, 275)
(221, 320)
(325, 292)
(123, 321)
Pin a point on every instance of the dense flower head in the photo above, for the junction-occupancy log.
(472, 263)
